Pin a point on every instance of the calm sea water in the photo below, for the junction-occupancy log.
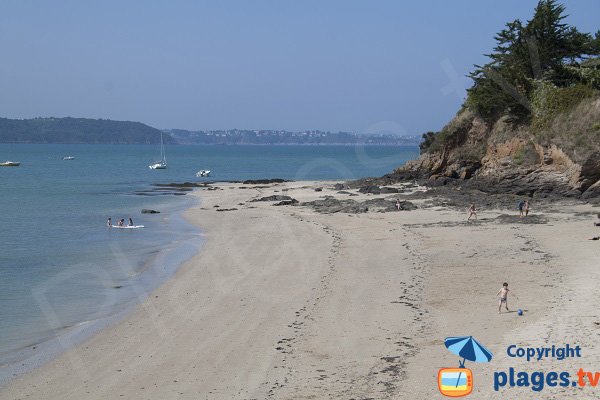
(61, 269)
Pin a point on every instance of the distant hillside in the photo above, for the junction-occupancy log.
(242, 136)
(78, 130)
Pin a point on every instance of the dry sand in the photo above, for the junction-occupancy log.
(286, 303)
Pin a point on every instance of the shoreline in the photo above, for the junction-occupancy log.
(285, 301)
(153, 269)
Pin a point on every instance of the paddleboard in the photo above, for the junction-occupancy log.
(128, 227)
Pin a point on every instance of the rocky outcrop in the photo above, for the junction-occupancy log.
(290, 202)
(509, 157)
(331, 205)
(263, 181)
(275, 197)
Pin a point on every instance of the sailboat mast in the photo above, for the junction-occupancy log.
(162, 149)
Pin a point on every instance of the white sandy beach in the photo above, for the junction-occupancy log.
(286, 303)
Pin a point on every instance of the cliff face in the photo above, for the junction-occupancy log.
(563, 158)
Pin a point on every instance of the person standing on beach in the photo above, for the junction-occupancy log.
(526, 207)
(520, 207)
(597, 223)
(398, 204)
(503, 293)
(472, 211)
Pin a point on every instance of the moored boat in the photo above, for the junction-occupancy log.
(162, 164)
(10, 164)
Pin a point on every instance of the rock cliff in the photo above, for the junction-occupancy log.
(508, 156)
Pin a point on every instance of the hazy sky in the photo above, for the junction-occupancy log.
(331, 65)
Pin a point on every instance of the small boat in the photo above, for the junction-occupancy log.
(203, 173)
(128, 226)
(158, 165)
(162, 164)
(68, 158)
(10, 164)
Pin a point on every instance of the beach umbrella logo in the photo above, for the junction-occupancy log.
(457, 382)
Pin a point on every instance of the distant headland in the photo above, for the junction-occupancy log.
(105, 131)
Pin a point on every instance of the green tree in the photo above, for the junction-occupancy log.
(537, 50)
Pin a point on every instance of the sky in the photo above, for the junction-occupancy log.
(338, 65)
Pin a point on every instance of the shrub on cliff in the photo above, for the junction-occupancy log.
(549, 101)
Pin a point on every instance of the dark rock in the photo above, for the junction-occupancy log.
(452, 174)
(437, 180)
(287, 202)
(373, 189)
(344, 192)
(406, 206)
(275, 197)
(147, 211)
(592, 193)
(330, 205)
(515, 219)
(387, 189)
(227, 209)
(340, 186)
(400, 175)
(319, 189)
(263, 181)
(384, 205)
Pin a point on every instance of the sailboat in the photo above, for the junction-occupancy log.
(162, 164)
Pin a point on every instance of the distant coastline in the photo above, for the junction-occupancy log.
(104, 131)
(283, 137)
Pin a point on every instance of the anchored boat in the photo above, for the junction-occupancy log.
(10, 164)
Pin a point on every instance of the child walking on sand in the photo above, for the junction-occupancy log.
(503, 293)
(472, 211)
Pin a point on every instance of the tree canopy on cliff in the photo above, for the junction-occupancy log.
(544, 49)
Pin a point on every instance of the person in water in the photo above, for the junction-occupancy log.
(122, 222)
(109, 222)
(130, 222)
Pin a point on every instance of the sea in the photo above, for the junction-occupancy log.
(64, 274)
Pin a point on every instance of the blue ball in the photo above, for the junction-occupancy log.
(520, 312)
